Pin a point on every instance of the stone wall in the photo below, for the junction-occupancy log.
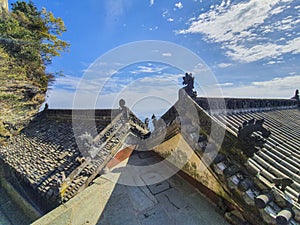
(15, 196)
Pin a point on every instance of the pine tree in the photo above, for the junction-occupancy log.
(31, 37)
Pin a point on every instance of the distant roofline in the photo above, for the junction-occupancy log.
(220, 105)
(86, 114)
(66, 109)
(245, 98)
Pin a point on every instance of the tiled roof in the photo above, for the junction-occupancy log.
(46, 156)
(257, 162)
(279, 158)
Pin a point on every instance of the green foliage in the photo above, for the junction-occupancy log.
(8, 97)
(9, 68)
(30, 37)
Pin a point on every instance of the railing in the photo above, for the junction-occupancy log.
(106, 144)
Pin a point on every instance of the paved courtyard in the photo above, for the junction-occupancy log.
(173, 201)
(107, 202)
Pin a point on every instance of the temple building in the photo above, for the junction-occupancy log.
(222, 161)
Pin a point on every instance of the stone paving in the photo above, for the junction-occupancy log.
(106, 202)
(173, 201)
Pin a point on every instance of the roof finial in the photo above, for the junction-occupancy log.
(296, 96)
(188, 80)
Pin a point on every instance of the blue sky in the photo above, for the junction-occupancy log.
(251, 46)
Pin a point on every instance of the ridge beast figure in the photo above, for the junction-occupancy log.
(252, 136)
(188, 80)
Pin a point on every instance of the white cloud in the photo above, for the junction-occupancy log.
(221, 23)
(100, 69)
(160, 90)
(150, 68)
(242, 28)
(280, 83)
(60, 99)
(158, 81)
(165, 13)
(167, 54)
(262, 51)
(67, 82)
(170, 19)
(179, 5)
(151, 2)
(225, 84)
(224, 65)
(153, 28)
(85, 85)
(276, 88)
(272, 62)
